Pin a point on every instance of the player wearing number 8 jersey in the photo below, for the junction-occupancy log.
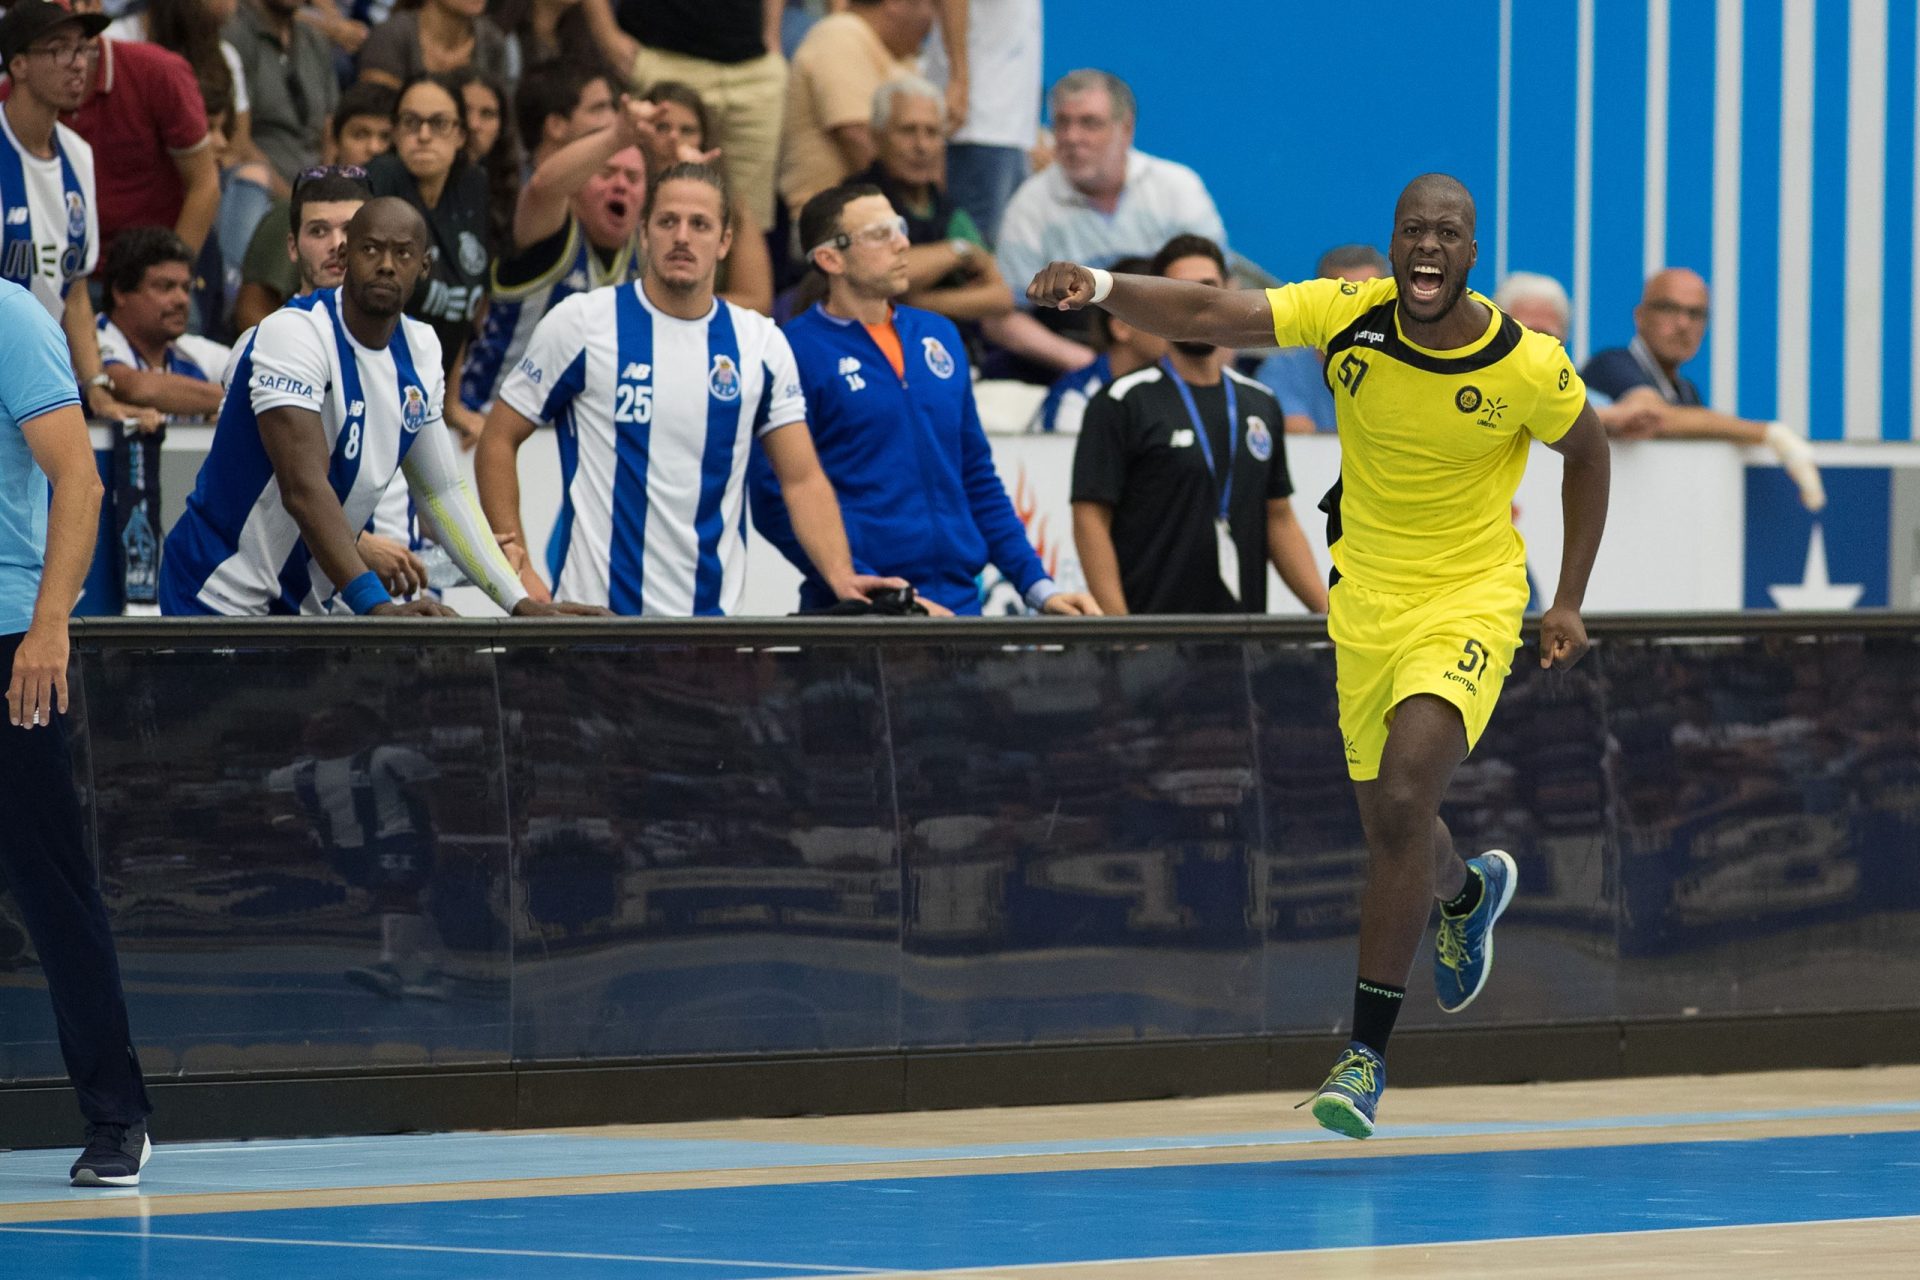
(1438, 398)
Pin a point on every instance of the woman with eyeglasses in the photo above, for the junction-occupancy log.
(425, 37)
(428, 167)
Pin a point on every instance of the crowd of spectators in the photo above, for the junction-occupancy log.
(528, 135)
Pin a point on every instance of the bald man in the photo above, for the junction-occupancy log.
(1439, 398)
(1669, 325)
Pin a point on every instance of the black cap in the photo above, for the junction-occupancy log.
(28, 20)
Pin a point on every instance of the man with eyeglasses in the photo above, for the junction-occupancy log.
(334, 396)
(1669, 325)
(898, 433)
(658, 390)
(46, 170)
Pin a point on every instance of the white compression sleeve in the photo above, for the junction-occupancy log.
(442, 491)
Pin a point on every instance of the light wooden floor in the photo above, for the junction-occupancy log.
(238, 1179)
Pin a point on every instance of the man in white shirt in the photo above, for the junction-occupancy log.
(335, 395)
(150, 357)
(987, 156)
(51, 235)
(1100, 200)
(658, 392)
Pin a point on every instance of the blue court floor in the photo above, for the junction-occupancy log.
(436, 1206)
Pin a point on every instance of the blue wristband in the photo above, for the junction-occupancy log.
(364, 592)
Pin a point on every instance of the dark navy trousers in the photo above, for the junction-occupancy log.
(44, 861)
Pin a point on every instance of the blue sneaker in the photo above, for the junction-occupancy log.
(1463, 949)
(1346, 1102)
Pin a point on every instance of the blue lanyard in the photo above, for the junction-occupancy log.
(1200, 430)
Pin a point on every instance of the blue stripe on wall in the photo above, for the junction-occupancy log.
(1826, 367)
(1760, 209)
(1540, 208)
(1896, 319)
(1693, 41)
(1619, 167)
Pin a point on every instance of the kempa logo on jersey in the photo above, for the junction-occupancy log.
(413, 410)
(1373, 336)
(724, 380)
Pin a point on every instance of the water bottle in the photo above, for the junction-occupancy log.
(442, 572)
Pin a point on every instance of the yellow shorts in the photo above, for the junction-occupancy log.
(1456, 643)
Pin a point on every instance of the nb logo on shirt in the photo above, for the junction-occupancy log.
(1182, 439)
(850, 370)
(357, 408)
(18, 217)
(637, 372)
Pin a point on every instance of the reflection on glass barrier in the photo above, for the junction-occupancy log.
(330, 857)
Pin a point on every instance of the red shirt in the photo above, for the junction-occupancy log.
(145, 109)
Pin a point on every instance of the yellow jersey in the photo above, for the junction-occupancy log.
(1432, 443)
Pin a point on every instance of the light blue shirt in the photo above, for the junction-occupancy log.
(36, 377)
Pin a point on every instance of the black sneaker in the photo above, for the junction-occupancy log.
(115, 1155)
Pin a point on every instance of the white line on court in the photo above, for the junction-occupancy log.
(1280, 1254)
(442, 1248)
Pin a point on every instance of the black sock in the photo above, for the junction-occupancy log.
(1375, 1006)
(1470, 894)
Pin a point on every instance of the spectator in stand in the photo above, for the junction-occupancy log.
(576, 225)
(539, 31)
(1669, 325)
(428, 168)
(288, 69)
(993, 103)
(1123, 350)
(144, 343)
(949, 270)
(1180, 485)
(1297, 375)
(729, 51)
(154, 156)
(890, 399)
(1099, 201)
(49, 176)
(434, 37)
(494, 145)
(828, 133)
(362, 129)
(684, 132)
(191, 28)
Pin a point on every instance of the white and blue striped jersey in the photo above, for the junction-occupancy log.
(655, 419)
(51, 233)
(236, 550)
(514, 311)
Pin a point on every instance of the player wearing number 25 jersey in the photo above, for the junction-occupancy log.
(1429, 572)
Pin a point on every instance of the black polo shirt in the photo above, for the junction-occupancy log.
(1138, 454)
(726, 31)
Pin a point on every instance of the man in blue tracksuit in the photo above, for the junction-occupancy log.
(890, 404)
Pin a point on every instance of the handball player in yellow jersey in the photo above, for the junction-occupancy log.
(1438, 397)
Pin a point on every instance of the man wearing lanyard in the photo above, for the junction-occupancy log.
(1180, 484)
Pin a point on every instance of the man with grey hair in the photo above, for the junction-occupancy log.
(1100, 200)
(1538, 302)
(949, 270)
(1296, 375)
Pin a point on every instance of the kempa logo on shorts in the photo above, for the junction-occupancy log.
(1457, 678)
